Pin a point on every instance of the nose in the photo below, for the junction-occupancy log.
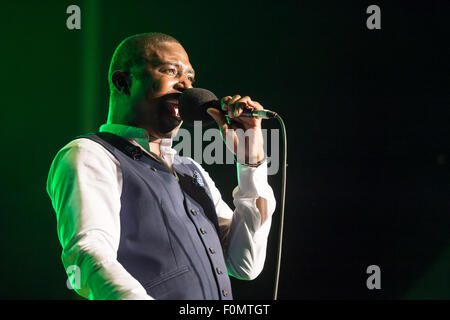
(183, 84)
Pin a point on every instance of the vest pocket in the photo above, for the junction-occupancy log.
(166, 276)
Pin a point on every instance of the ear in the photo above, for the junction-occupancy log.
(122, 81)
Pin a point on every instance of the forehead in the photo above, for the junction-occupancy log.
(168, 52)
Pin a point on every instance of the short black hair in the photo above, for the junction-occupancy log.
(131, 53)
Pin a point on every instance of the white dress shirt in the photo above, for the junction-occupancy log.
(85, 185)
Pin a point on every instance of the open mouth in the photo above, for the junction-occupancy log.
(172, 107)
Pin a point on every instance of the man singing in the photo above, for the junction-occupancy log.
(137, 220)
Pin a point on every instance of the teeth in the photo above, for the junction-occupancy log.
(177, 112)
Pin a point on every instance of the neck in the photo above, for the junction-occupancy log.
(154, 147)
(127, 119)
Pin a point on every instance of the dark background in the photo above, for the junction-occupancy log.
(366, 111)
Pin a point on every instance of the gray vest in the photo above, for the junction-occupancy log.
(168, 229)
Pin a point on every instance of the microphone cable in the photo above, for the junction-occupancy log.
(282, 204)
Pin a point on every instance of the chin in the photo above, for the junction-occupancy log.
(170, 133)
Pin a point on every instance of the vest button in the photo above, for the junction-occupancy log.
(202, 231)
(194, 212)
(154, 169)
(212, 250)
(219, 271)
(225, 293)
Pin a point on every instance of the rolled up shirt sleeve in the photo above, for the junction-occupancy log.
(84, 184)
(243, 237)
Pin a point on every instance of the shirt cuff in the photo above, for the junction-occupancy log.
(252, 182)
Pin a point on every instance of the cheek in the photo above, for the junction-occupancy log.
(154, 89)
(162, 85)
(154, 86)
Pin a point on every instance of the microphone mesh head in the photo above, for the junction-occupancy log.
(193, 104)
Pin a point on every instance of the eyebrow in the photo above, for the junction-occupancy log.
(176, 64)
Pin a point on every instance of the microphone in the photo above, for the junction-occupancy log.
(193, 103)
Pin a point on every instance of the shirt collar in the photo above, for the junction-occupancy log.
(140, 135)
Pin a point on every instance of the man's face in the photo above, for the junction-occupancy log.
(165, 75)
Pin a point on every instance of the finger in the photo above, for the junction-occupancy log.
(256, 105)
(239, 108)
(231, 105)
(224, 102)
(242, 104)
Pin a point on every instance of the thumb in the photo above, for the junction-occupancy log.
(218, 116)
